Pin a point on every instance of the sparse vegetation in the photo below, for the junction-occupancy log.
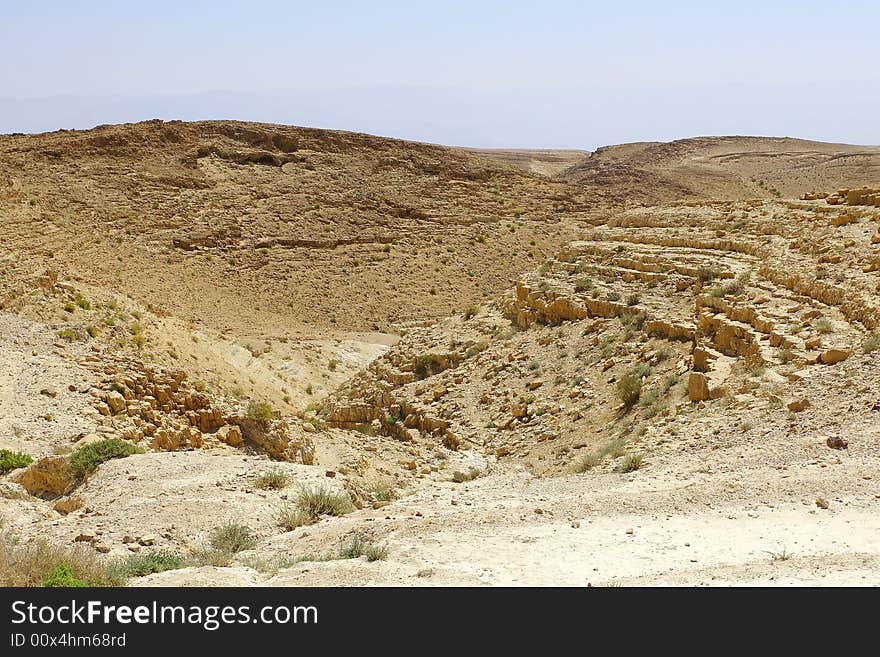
(42, 564)
(310, 504)
(629, 388)
(232, 537)
(274, 479)
(358, 547)
(630, 463)
(260, 411)
(871, 343)
(823, 325)
(146, 563)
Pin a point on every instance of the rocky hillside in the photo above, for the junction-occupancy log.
(229, 357)
(725, 168)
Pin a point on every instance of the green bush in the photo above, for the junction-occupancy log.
(10, 460)
(260, 411)
(62, 576)
(88, 457)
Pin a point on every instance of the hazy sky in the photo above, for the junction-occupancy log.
(483, 73)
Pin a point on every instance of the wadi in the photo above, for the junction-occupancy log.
(243, 354)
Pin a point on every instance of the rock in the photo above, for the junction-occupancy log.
(49, 392)
(230, 434)
(85, 537)
(836, 442)
(68, 505)
(698, 386)
(308, 427)
(101, 547)
(534, 385)
(49, 477)
(798, 405)
(832, 356)
(87, 439)
(519, 410)
(813, 343)
(148, 539)
(115, 402)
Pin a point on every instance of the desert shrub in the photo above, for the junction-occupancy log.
(289, 517)
(274, 479)
(614, 296)
(375, 552)
(317, 502)
(630, 463)
(332, 364)
(67, 334)
(587, 462)
(471, 312)
(823, 325)
(209, 557)
(706, 274)
(632, 300)
(82, 302)
(88, 457)
(359, 547)
(383, 490)
(583, 285)
(785, 356)
(152, 561)
(871, 343)
(260, 411)
(233, 537)
(10, 460)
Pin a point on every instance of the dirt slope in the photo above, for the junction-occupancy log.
(726, 168)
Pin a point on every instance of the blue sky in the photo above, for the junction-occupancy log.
(483, 73)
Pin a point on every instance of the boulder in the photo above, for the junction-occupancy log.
(831, 356)
(49, 477)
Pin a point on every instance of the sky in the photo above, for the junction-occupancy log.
(543, 74)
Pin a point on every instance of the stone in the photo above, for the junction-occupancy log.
(836, 442)
(115, 402)
(49, 392)
(68, 505)
(698, 386)
(49, 477)
(230, 434)
(798, 405)
(834, 355)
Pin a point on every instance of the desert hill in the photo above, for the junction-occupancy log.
(726, 168)
(237, 353)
